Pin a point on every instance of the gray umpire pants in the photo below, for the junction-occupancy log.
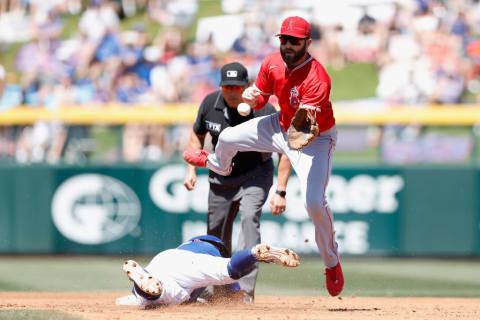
(246, 196)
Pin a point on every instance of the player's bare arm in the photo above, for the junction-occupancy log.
(196, 141)
(278, 203)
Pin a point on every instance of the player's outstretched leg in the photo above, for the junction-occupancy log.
(146, 285)
(281, 256)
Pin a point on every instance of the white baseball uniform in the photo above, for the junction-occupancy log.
(182, 271)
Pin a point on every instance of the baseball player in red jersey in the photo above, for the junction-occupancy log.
(300, 82)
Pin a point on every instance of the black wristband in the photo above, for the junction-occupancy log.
(281, 193)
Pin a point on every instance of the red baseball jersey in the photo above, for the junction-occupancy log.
(307, 85)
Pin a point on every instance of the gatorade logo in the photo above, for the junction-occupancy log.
(94, 209)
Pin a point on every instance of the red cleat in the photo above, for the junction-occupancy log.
(334, 279)
(197, 158)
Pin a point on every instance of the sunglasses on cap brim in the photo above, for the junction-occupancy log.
(232, 88)
(293, 40)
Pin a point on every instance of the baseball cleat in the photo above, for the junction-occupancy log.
(334, 277)
(136, 301)
(144, 280)
(281, 256)
(130, 300)
(197, 158)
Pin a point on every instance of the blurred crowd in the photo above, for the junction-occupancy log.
(426, 51)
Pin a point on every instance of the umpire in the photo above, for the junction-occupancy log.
(246, 189)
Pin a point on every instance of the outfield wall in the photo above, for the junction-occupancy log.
(131, 209)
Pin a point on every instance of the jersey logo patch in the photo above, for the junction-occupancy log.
(294, 100)
(212, 126)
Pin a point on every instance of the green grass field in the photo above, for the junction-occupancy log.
(364, 276)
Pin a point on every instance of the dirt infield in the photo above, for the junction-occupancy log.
(101, 306)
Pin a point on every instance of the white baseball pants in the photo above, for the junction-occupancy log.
(312, 165)
(182, 271)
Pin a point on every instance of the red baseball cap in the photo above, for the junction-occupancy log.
(295, 27)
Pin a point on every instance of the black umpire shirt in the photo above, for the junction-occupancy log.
(214, 116)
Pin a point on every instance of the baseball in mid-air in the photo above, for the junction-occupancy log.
(244, 109)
